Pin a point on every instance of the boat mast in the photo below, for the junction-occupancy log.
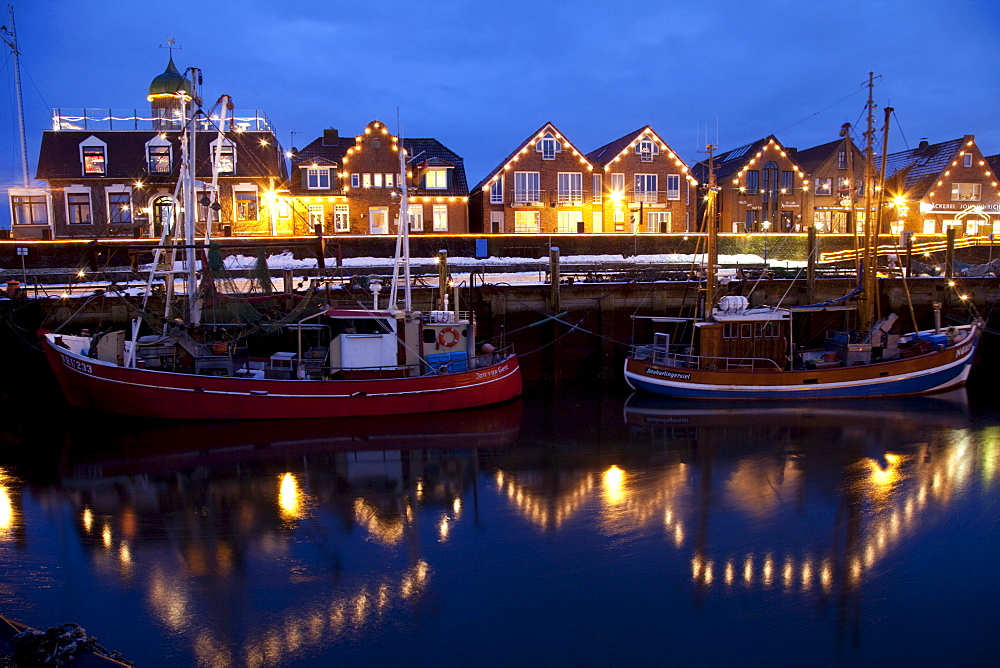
(190, 205)
(402, 236)
(711, 246)
(870, 235)
(11, 41)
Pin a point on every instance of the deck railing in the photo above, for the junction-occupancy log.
(660, 355)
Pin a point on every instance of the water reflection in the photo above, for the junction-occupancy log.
(257, 544)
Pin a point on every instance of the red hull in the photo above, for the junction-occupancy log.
(89, 383)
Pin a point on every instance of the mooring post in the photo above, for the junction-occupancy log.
(949, 254)
(554, 279)
(442, 259)
(811, 266)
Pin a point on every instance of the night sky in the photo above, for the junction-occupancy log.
(482, 76)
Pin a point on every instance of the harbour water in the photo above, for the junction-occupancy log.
(572, 527)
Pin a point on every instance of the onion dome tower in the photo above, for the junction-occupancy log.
(164, 103)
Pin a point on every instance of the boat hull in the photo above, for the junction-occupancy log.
(924, 374)
(93, 384)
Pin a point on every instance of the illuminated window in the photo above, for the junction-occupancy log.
(158, 158)
(645, 188)
(673, 186)
(646, 149)
(440, 217)
(436, 179)
(496, 191)
(355, 180)
(548, 146)
(415, 216)
(377, 180)
(246, 205)
(284, 209)
(597, 188)
(315, 215)
(570, 222)
(93, 160)
(366, 180)
(526, 187)
(658, 222)
(823, 221)
(341, 218)
(78, 208)
(967, 160)
(823, 187)
(527, 222)
(843, 186)
(617, 185)
(119, 205)
(570, 187)
(226, 156)
(318, 178)
(965, 192)
(389, 180)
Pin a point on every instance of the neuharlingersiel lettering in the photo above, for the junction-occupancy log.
(650, 371)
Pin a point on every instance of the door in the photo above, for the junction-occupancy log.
(378, 220)
(496, 222)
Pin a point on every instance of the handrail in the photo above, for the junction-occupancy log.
(659, 355)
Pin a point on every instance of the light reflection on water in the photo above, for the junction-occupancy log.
(274, 544)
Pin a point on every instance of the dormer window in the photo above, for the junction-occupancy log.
(158, 155)
(226, 156)
(318, 178)
(646, 149)
(548, 146)
(436, 179)
(93, 157)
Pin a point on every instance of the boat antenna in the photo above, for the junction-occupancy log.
(9, 36)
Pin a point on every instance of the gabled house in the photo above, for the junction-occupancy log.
(761, 188)
(115, 174)
(640, 184)
(544, 186)
(834, 174)
(350, 185)
(934, 187)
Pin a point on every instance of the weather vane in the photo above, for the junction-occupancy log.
(171, 44)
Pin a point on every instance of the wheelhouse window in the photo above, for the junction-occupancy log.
(246, 205)
(548, 146)
(78, 208)
(965, 192)
(318, 178)
(94, 163)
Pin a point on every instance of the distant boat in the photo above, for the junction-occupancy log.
(336, 362)
(738, 352)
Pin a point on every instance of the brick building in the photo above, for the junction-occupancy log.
(545, 186)
(113, 173)
(350, 185)
(833, 198)
(640, 184)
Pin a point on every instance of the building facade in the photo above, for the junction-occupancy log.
(350, 185)
(833, 187)
(639, 184)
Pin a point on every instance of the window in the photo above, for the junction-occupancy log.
(673, 186)
(823, 187)
(646, 149)
(226, 156)
(753, 182)
(159, 158)
(965, 192)
(355, 180)
(284, 209)
(570, 186)
(967, 160)
(527, 222)
(645, 188)
(246, 205)
(823, 221)
(597, 188)
(390, 179)
(842, 159)
(440, 217)
(377, 180)
(496, 191)
(366, 180)
(548, 146)
(341, 220)
(787, 182)
(78, 208)
(570, 222)
(120, 206)
(315, 215)
(930, 226)
(617, 186)
(30, 209)
(318, 178)
(658, 222)
(751, 220)
(436, 179)
(206, 200)
(843, 186)
(526, 187)
(93, 160)
(415, 214)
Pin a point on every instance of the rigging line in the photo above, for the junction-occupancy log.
(802, 120)
(899, 128)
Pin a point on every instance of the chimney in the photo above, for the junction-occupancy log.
(923, 145)
(330, 136)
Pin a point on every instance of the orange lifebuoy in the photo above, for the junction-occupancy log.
(445, 341)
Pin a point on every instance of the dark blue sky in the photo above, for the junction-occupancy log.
(480, 77)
